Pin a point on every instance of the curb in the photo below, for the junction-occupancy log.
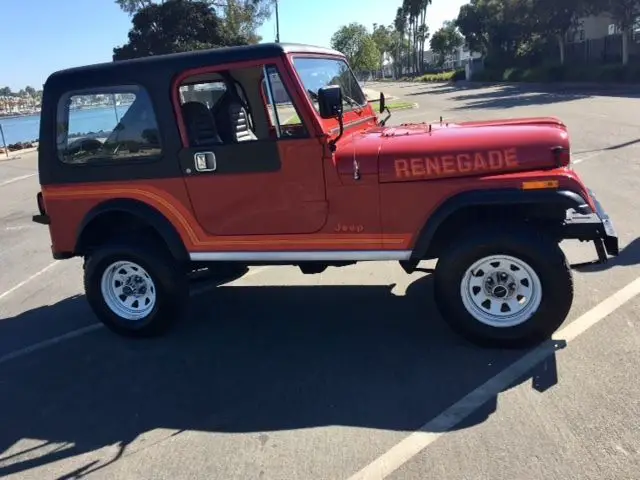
(386, 98)
(17, 154)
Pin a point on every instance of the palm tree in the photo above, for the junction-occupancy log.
(410, 8)
(423, 30)
(400, 24)
(414, 24)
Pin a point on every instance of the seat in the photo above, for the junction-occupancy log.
(232, 118)
(201, 127)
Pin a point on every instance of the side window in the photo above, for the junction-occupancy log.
(283, 114)
(207, 93)
(215, 110)
(107, 125)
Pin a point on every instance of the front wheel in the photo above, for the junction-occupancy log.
(506, 289)
(135, 290)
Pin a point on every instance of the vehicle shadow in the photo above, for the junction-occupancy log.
(441, 89)
(513, 98)
(629, 256)
(34, 326)
(616, 146)
(248, 359)
(562, 92)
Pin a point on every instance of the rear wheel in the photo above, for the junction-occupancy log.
(505, 289)
(135, 290)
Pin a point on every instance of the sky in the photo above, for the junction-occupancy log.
(39, 37)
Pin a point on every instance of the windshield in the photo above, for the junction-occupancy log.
(320, 72)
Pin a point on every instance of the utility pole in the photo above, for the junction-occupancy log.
(277, 24)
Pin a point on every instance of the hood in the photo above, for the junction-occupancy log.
(440, 150)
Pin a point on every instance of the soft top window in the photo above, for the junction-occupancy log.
(113, 124)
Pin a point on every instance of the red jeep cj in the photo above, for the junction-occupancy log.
(270, 154)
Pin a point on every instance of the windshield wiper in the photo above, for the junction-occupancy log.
(352, 102)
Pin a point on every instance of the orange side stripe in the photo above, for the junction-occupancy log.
(198, 241)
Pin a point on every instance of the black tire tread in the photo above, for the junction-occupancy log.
(171, 284)
(540, 251)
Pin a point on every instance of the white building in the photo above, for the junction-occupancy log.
(456, 60)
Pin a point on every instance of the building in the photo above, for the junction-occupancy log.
(593, 28)
(598, 39)
(458, 59)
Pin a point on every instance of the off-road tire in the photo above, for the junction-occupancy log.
(540, 252)
(169, 279)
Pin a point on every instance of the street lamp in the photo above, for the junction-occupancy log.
(277, 24)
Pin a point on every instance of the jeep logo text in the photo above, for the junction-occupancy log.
(452, 164)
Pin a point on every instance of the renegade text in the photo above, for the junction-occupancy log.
(460, 163)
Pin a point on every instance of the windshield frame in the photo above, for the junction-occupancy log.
(347, 107)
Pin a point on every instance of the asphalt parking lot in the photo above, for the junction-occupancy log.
(343, 375)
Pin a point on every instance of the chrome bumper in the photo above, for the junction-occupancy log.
(595, 226)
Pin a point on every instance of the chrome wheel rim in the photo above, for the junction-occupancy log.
(501, 291)
(128, 290)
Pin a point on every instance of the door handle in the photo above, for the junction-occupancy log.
(205, 161)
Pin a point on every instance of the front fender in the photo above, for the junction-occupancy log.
(547, 203)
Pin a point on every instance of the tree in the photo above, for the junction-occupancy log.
(400, 24)
(240, 17)
(134, 6)
(358, 46)
(473, 23)
(348, 39)
(500, 29)
(556, 18)
(446, 40)
(382, 36)
(423, 36)
(30, 91)
(175, 26)
(367, 58)
(5, 92)
(411, 17)
(625, 13)
(397, 47)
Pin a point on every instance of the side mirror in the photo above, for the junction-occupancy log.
(383, 107)
(330, 101)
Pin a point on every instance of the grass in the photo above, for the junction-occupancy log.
(399, 105)
(292, 120)
(450, 76)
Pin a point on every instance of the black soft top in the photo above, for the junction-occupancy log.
(176, 62)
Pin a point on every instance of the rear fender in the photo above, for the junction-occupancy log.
(143, 213)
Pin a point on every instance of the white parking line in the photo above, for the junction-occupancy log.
(24, 282)
(50, 342)
(89, 328)
(398, 455)
(17, 179)
(587, 157)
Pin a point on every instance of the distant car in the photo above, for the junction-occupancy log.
(269, 155)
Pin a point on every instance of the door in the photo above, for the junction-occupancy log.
(256, 169)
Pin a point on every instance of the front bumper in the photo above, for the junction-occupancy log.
(593, 226)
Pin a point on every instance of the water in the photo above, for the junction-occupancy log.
(27, 128)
